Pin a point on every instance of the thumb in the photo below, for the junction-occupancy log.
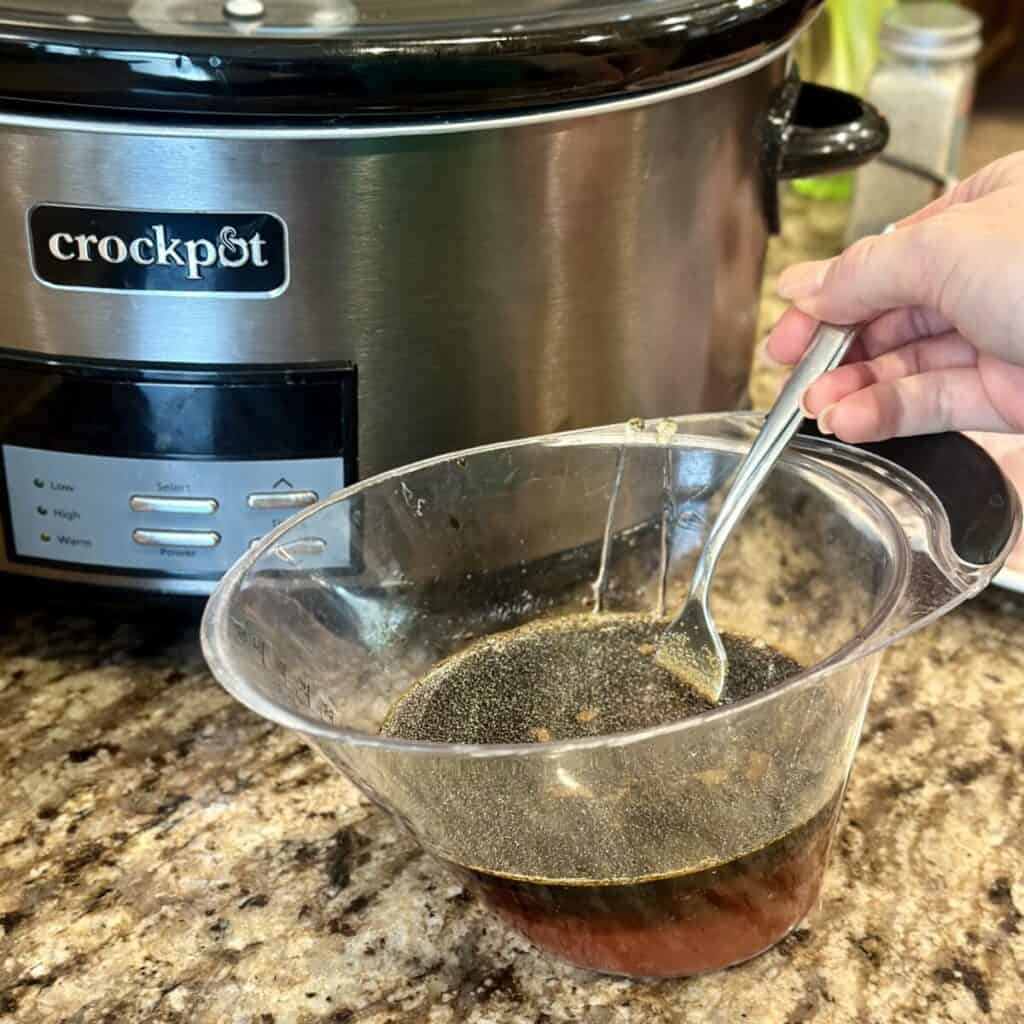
(909, 267)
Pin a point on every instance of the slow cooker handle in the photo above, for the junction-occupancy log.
(813, 129)
(966, 480)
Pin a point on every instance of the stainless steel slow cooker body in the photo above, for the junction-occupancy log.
(543, 261)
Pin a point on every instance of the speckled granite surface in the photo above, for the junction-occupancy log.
(167, 856)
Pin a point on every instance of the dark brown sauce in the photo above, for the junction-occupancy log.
(596, 675)
(676, 926)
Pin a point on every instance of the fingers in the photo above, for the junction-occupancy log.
(949, 352)
(941, 259)
(790, 337)
(931, 384)
(926, 403)
(949, 272)
(803, 281)
(910, 267)
(900, 327)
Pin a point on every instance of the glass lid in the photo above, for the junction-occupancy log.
(325, 19)
(372, 58)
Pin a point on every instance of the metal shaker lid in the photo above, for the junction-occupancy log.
(932, 31)
(369, 59)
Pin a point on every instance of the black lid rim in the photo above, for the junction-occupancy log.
(379, 78)
(52, 117)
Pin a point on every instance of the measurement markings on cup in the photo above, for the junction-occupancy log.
(294, 683)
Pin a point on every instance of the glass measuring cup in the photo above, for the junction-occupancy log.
(668, 851)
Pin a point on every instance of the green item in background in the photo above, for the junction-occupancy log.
(834, 188)
(841, 50)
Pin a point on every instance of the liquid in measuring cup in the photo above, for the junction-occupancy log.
(593, 675)
(675, 925)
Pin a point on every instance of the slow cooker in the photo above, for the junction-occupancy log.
(253, 251)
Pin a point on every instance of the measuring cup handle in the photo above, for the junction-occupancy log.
(977, 498)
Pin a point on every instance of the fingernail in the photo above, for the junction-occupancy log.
(803, 406)
(825, 419)
(766, 359)
(803, 280)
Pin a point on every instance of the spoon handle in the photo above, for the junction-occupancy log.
(828, 347)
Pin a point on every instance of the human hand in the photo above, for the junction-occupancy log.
(943, 300)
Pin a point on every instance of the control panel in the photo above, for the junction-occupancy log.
(155, 479)
(171, 516)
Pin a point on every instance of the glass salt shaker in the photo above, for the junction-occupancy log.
(924, 84)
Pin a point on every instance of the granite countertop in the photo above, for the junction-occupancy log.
(167, 856)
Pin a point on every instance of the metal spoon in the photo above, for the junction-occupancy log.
(691, 647)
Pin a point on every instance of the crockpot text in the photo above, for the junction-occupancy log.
(157, 248)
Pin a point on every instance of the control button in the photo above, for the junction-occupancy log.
(244, 10)
(176, 538)
(304, 547)
(282, 499)
(178, 506)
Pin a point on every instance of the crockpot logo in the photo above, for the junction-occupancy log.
(158, 249)
(236, 254)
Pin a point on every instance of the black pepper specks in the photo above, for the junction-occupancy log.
(568, 678)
